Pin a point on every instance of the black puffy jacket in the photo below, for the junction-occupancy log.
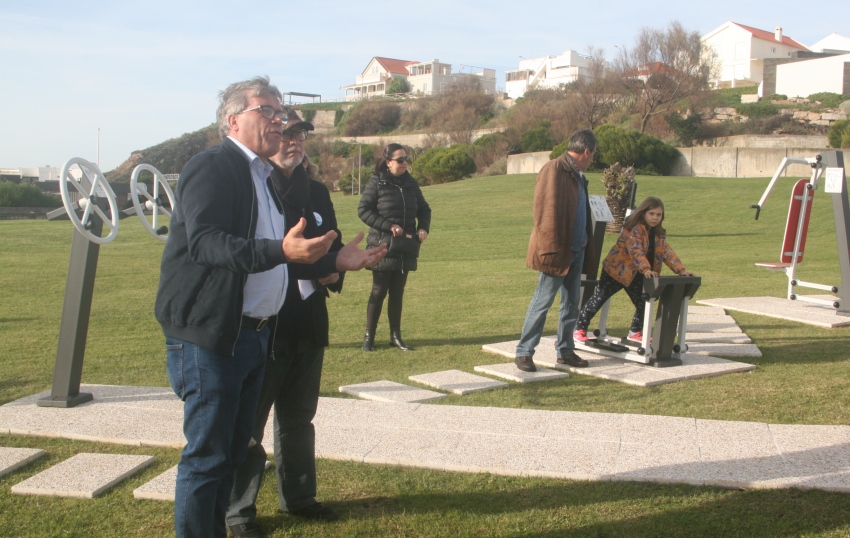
(388, 200)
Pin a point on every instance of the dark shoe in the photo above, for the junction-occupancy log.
(573, 360)
(249, 529)
(525, 364)
(396, 341)
(369, 341)
(316, 511)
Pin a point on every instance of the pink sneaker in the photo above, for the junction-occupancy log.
(635, 337)
(580, 336)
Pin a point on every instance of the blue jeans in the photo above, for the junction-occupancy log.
(220, 395)
(292, 381)
(544, 296)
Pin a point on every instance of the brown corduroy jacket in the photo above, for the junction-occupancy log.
(555, 204)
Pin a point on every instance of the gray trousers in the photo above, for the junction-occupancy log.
(291, 386)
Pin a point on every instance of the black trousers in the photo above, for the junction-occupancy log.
(605, 289)
(386, 283)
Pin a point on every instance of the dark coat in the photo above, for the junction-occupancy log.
(210, 250)
(550, 248)
(299, 319)
(388, 200)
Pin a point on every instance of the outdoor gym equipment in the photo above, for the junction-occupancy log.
(829, 167)
(153, 203)
(662, 343)
(95, 208)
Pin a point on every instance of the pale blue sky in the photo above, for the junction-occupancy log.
(144, 72)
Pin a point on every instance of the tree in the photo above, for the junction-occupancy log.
(663, 67)
(596, 95)
(398, 85)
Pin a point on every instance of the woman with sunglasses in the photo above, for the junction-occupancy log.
(393, 206)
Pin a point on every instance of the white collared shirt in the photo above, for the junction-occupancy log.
(264, 292)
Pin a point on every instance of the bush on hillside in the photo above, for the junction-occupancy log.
(443, 165)
(14, 195)
(762, 109)
(839, 134)
(539, 139)
(828, 99)
(647, 154)
(369, 118)
(732, 96)
(398, 85)
(686, 129)
(489, 149)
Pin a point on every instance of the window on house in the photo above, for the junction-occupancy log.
(773, 50)
(442, 86)
(427, 69)
(424, 86)
(374, 68)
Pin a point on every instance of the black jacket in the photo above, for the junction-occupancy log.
(388, 200)
(306, 320)
(210, 250)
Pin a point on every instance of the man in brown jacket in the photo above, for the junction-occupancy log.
(560, 248)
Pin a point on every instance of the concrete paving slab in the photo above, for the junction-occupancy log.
(527, 442)
(775, 307)
(508, 370)
(724, 349)
(694, 366)
(84, 475)
(161, 488)
(12, 459)
(708, 327)
(390, 391)
(709, 310)
(729, 338)
(711, 318)
(457, 382)
(136, 416)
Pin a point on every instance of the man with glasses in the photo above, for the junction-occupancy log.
(560, 249)
(294, 368)
(222, 281)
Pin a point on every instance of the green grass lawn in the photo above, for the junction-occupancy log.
(472, 288)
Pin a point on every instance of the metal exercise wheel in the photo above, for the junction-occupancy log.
(91, 186)
(153, 202)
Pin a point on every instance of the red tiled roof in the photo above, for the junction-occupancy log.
(395, 66)
(770, 36)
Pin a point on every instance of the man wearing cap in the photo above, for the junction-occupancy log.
(222, 281)
(294, 368)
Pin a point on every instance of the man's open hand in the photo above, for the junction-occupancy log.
(351, 258)
(297, 249)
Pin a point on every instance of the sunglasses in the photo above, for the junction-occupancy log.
(401, 160)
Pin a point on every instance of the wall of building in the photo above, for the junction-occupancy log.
(801, 79)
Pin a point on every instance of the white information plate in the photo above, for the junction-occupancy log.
(834, 180)
(599, 207)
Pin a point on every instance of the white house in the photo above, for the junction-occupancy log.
(425, 78)
(802, 79)
(547, 72)
(373, 80)
(740, 52)
(832, 43)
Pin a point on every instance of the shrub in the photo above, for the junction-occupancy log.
(13, 195)
(828, 99)
(686, 129)
(398, 85)
(839, 134)
(558, 150)
(732, 96)
(369, 118)
(442, 165)
(762, 109)
(489, 149)
(539, 139)
(308, 114)
(647, 154)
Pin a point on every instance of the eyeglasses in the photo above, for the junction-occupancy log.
(268, 112)
(401, 160)
(299, 135)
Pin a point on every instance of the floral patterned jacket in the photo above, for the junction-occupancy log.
(628, 256)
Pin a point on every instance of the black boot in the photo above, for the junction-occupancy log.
(396, 341)
(369, 341)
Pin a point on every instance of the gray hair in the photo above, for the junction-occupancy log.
(234, 99)
(582, 140)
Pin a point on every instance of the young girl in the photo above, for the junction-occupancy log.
(627, 264)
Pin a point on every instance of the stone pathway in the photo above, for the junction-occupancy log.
(774, 307)
(519, 442)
